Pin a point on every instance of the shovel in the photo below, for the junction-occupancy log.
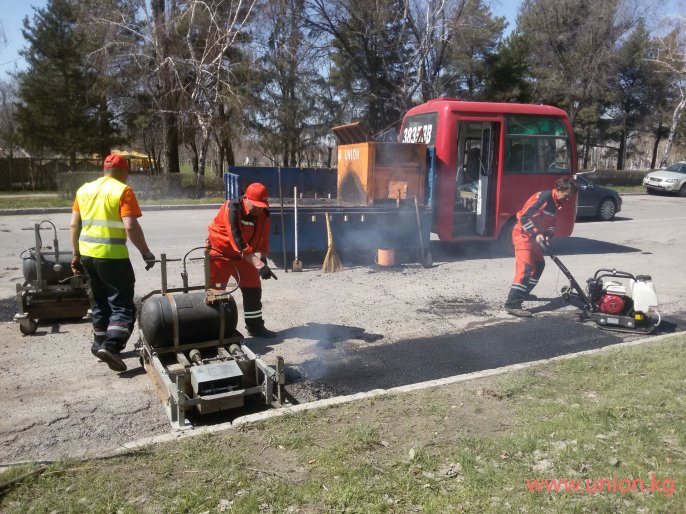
(297, 265)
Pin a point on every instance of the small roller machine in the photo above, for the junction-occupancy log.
(190, 348)
(50, 290)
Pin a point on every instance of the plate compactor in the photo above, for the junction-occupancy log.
(50, 290)
(614, 300)
(190, 348)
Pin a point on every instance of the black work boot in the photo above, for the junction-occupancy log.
(112, 360)
(516, 310)
(97, 343)
(261, 331)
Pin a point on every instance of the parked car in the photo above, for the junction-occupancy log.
(670, 180)
(597, 201)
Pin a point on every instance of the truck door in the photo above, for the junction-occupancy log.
(477, 153)
(487, 176)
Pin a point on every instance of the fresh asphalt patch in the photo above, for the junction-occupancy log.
(355, 370)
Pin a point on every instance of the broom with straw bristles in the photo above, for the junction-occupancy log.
(332, 262)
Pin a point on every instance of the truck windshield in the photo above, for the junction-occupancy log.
(420, 129)
(536, 145)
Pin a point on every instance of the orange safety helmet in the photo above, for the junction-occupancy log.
(257, 194)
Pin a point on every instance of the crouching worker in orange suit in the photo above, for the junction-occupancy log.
(535, 224)
(240, 231)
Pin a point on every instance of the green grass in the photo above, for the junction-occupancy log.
(56, 201)
(468, 447)
(629, 189)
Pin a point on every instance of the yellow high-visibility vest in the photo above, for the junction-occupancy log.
(102, 230)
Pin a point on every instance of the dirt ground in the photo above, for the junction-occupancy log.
(59, 401)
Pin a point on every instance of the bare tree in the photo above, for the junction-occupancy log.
(371, 63)
(182, 50)
(212, 31)
(671, 57)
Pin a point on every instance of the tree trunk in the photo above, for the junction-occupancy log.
(230, 156)
(658, 137)
(621, 151)
(672, 130)
(587, 148)
(171, 143)
(194, 158)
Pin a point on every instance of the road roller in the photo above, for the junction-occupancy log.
(50, 290)
(193, 353)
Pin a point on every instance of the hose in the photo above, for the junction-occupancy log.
(659, 318)
(211, 249)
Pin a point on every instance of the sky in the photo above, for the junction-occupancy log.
(12, 13)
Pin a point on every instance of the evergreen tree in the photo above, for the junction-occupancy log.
(60, 109)
(371, 57)
(635, 90)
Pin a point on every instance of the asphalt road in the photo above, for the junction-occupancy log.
(365, 328)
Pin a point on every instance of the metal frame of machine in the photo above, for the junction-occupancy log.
(210, 375)
(640, 322)
(38, 299)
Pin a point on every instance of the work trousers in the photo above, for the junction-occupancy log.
(114, 311)
(247, 276)
(529, 266)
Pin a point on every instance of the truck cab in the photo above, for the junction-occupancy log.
(487, 159)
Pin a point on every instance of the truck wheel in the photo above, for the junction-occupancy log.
(28, 326)
(606, 210)
(505, 243)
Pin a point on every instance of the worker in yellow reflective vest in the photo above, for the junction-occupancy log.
(104, 213)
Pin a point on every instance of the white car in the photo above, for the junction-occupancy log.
(670, 180)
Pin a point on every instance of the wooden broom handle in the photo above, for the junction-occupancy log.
(328, 231)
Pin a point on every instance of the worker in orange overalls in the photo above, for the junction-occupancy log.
(535, 225)
(238, 233)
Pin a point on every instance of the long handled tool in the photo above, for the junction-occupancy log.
(332, 263)
(574, 285)
(427, 260)
(283, 229)
(297, 265)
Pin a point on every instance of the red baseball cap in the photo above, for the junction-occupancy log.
(116, 161)
(257, 194)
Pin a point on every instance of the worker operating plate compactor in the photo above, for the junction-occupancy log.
(50, 290)
(614, 300)
(191, 349)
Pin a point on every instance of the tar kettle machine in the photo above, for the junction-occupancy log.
(195, 357)
(50, 290)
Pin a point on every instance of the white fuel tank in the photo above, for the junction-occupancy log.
(643, 294)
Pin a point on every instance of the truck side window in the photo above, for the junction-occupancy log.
(536, 145)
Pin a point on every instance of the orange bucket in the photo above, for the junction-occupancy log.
(385, 257)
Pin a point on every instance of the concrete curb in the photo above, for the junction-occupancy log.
(339, 400)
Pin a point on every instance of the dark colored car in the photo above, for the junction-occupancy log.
(597, 201)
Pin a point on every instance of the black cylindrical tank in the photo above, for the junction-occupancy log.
(197, 320)
(48, 262)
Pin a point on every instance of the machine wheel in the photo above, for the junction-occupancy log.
(28, 326)
(650, 191)
(682, 191)
(606, 210)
